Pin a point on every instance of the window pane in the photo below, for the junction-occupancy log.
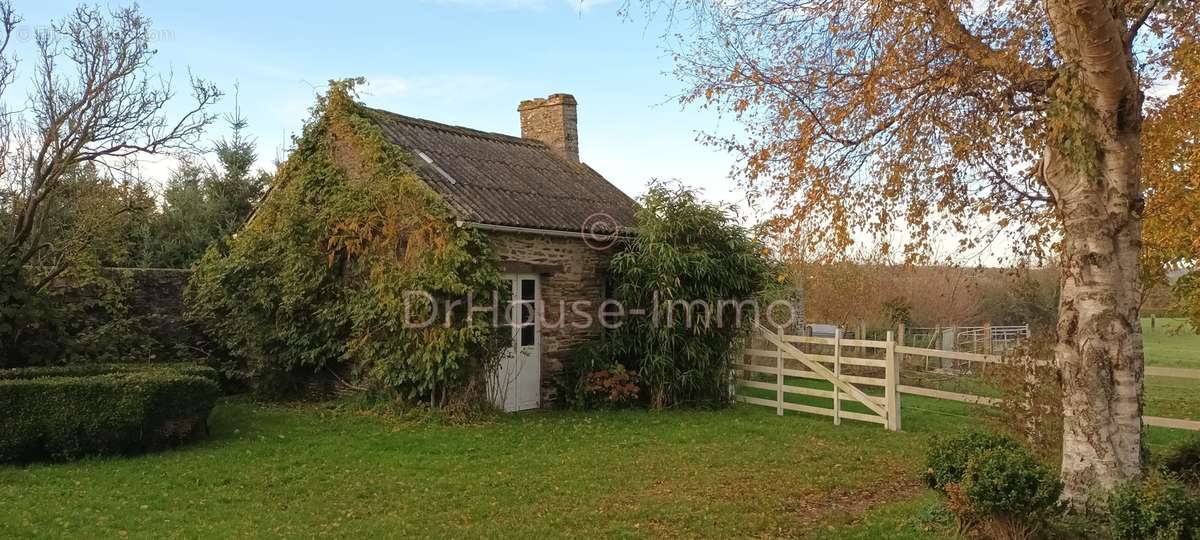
(527, 335)
(527, 312)
(528, 288)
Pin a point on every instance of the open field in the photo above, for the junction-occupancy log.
(278, 471)
(1172, 343)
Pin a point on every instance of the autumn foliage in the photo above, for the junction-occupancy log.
(314, 285)
(1171, 175)
(911, 123)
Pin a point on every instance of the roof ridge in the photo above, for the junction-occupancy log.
(459, 130)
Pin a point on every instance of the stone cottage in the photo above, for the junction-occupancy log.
(550, 217)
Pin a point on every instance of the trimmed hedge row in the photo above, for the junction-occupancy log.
(83, 370)
(69, 412)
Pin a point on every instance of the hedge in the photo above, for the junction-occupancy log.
(81, 370)
(69, 412)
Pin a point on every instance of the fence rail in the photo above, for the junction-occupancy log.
(776, 349)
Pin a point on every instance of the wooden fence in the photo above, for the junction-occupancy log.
(779, 354)
(877, 365)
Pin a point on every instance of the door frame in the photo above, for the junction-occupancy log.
(521, 388)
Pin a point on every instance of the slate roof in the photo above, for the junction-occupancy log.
(499, 179)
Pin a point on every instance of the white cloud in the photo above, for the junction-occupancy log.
(1164, 88)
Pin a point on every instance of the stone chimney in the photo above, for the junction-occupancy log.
(552, 120)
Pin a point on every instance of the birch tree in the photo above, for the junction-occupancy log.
(963, 118)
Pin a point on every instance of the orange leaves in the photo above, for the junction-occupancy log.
(861, 119)
(1171, 169)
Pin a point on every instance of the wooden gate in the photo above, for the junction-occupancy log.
(805, 373)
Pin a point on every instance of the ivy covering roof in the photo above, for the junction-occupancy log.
(498, 179)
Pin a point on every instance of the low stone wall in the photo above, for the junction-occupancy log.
(157, 294)
(140, 316)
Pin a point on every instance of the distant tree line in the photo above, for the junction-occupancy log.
(99, 217)
(883, 295)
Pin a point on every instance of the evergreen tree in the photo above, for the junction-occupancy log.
(202, 204)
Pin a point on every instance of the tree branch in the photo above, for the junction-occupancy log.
(59, 269)
(1021, 74)
(109, 106)
(1137, 23)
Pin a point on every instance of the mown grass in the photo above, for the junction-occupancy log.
(273, 471)
(1171, 343)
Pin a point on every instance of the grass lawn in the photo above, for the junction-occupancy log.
(276, 471)
(280, 471)
(742, 472)
(1172, 343)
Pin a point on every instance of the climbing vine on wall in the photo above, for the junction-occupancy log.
(316, 282)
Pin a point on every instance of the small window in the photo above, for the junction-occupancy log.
(528, 289)
(528, 335)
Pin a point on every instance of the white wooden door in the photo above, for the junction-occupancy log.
(517, 385)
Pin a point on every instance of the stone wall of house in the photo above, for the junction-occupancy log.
(570, 270)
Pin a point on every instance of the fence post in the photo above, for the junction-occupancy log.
(937, 334)
(900, 340)
(987, 338)
(892, 390)
(837, 372)
(862, 334)
(779, 374)
(946, 362)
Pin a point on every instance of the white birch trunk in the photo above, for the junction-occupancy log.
(1092, 165)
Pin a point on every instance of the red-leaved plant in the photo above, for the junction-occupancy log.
(614, 386)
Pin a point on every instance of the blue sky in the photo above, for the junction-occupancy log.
(465, 62)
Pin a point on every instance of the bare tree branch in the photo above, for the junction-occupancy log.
(1137, 23)
(95, 99)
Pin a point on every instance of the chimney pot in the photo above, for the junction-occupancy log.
(553, 121)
